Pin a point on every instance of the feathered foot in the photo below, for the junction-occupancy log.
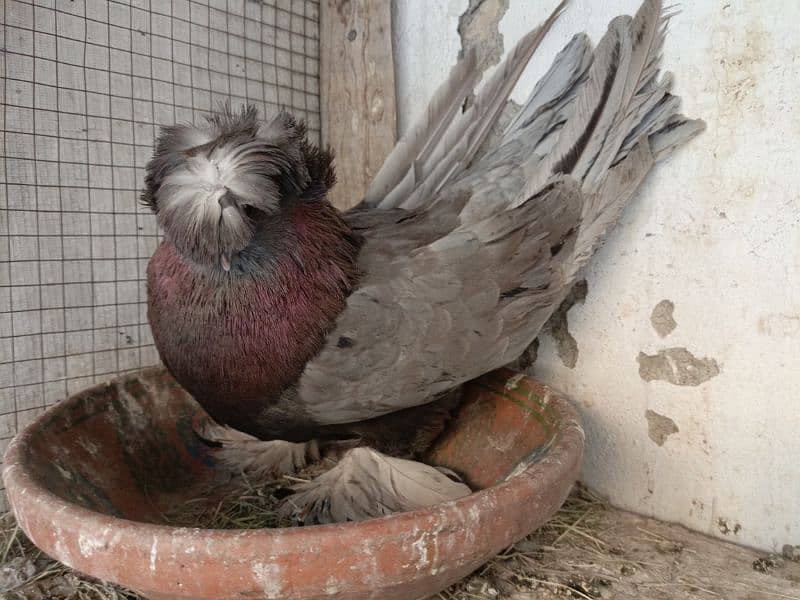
(258, 460)
(367, 484)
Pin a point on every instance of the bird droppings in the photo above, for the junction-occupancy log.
(726, 529)
(269, 576)
(420, 546)
(557, 327)
(153, 554)
(513, 381)
(659, 427)
(677, 366)
(662, 319)
(88, 545)
(767, 563)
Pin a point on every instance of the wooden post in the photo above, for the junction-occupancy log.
(357, 93)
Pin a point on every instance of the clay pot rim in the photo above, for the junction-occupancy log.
(566, 447)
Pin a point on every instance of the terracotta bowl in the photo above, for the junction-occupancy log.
(90, 478)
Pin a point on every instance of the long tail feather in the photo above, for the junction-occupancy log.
(553, 88)
(465, 136)
(428, 128)
(618, 103)
(442, 142)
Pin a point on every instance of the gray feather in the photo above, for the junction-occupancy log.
(397, 174)
(367, 484)
(464, 282)
(448, 151)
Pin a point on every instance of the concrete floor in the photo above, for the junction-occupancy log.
(592, 551)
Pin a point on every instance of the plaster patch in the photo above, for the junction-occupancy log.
(677, 366)
(479, 27)
(557, 327)
(659, 427)
(661, 318)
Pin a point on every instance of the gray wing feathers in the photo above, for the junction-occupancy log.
(441, 143)
(461, 273)
(553, 89)
(674, 134)
(397, 174)
(464, 138)
(620, 102)
(448, 312)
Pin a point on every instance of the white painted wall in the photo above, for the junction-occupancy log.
(716, 229)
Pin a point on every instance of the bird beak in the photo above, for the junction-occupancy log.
(224, 200)
(225, 261)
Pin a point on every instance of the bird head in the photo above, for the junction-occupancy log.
(210, 185)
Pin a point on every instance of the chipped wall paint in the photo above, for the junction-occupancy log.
(659, 427)
(677, 366)
(662, 318)
(557, 327)
(716, 231)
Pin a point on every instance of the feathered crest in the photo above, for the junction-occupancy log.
(209, 184)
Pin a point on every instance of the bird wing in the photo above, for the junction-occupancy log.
(463, 266)
(443, 309)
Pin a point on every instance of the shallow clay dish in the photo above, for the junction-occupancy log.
(89, 480)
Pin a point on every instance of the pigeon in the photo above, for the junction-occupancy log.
(301, 329)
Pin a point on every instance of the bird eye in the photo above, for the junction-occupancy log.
(251, 212)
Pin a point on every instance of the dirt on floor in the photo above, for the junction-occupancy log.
(591, 551)
(588, 551)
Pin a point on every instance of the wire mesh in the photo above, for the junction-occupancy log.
(85, 85)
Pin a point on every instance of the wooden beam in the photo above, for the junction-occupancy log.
(357, 93)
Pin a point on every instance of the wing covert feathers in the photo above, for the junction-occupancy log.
(475, 255)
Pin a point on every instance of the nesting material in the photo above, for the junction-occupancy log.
(26, 573)
(244, 503)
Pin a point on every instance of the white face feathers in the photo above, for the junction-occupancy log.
(208, 185)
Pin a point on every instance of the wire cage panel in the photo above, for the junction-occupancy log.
(85, 85)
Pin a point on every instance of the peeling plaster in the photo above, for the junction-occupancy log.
(479, 28)
(659, 427)
(725, 528)
(558, 325)
(677, 366)
(661, 318)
